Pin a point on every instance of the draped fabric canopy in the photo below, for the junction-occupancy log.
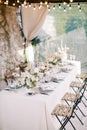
(32, 20)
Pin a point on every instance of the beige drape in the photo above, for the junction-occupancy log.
(32, 20)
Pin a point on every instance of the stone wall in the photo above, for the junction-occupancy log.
(10, 40)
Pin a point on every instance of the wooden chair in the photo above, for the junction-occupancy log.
(64, 111)
(77, 97)
(79, 87)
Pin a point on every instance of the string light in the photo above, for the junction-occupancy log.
(40, 6)
(46, 3)
(78, 5)
(64, 9)
(13, 4)
(26, 4)
(53, 7)
(71, 1)
(80, 9)
(6, 2)
(64, 3)
(59, 6)
(34, 8)
(41, 3)
(18, 1)
(70, 6)
(29, 5)
(49, 9)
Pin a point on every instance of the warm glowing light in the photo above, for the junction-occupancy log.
(41, 3)
(71, 0)
(45, 2)
(49, 9)
(59, 6)
(40, 6)
(80, 9)
(48, 5)
(18, 1)
(13, 4)
(6, 2)
(25, 2)
(64, 3)
(78, 5)
(29, 5)
(64, 9)
(34, 8)
(69, 6)
(54, 7)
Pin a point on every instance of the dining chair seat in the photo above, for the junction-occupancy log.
(70, 97)
(81, 76)
(65, 111)
(76, 84)
(62, 110)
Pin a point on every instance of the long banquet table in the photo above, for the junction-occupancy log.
(19, 111)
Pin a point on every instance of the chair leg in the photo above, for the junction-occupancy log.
(83, 103)
(62, 126)
(72, 125)
(78, 118)
(76, 92)
(81, 111)
(85, 98)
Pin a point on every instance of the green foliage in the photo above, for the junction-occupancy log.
(35, 41)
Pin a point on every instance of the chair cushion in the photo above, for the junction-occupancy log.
(70, 97)
(76, 84)
(62, 110)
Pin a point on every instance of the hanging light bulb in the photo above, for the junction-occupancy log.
(64, 9)
(13, 4)
(59, 6)
(49, 9)
(71, 1)
(34, 8)
(6, 2)
(40, 6)
(70, 7)
(29, 5)
(41, 3)
(18, 1)
(80, 10)
(53, 7)
(25, 6)
(0, 1)
(78, 5)
(64, 3)
(46, 3)
(19, 6)
(25, 2)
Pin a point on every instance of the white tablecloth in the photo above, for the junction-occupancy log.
(21, 112)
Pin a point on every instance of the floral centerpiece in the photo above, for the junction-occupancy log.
(29, 79)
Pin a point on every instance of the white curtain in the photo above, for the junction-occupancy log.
(32, 20)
